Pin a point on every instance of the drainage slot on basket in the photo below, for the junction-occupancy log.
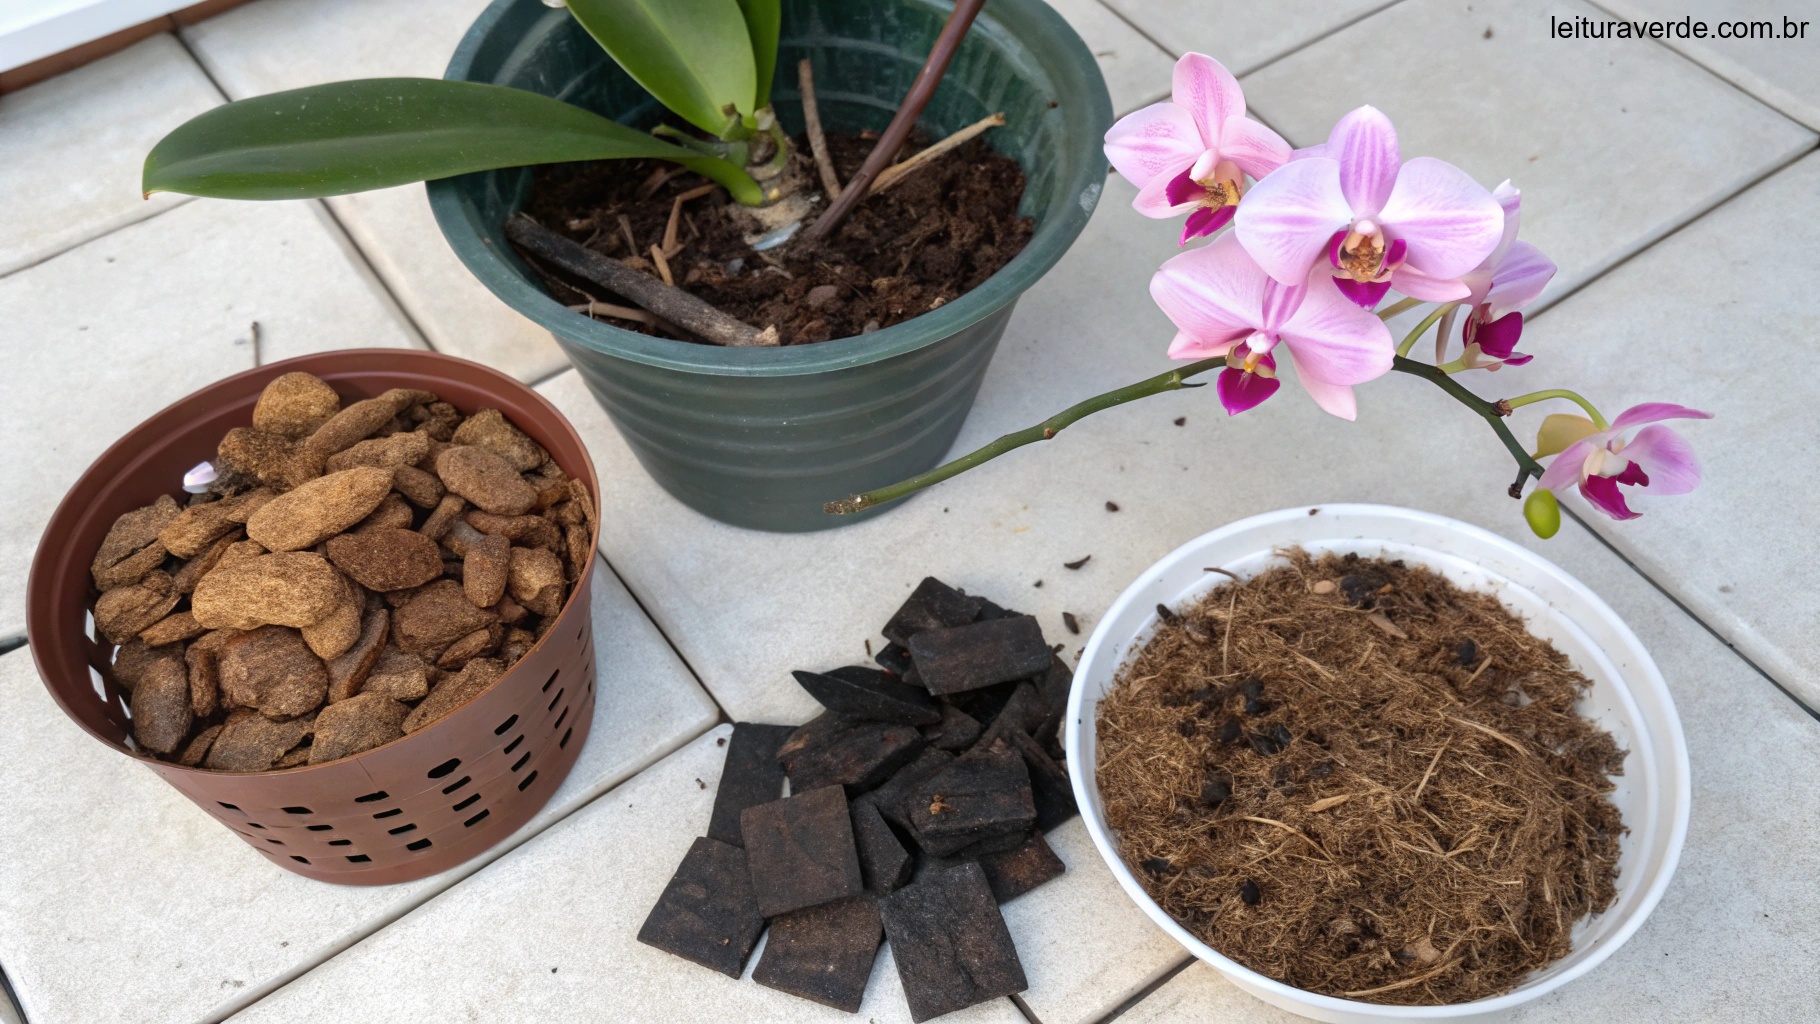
(341, 842)
(394, 812)
(401, 830)
(298, 810)
(300, 860)
(446, 768)
(520, 763)
(457, 784)
(370, 797)
(553, 701)
(564, 742)
(561, 718)
(514, 744)
(507, 724)
(469, 802)
(359, 858)
(421, 844)
(230, 807)
(551, 681)
(526, 784)
(476, 819)
(254, 824)
(320, 828)
(269, 839)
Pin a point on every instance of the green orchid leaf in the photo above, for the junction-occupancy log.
(329, 140)
(695, 56)
(764, 21)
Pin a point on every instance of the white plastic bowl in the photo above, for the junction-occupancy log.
(1628, 698)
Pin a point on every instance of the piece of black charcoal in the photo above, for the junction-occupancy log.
(950, 942)
(893, 797)
(749, 776)
(1021, 869)
(708, 913)
(852, 752)
(1248, 891)
(1053, 686)
(1024, 713)
(1265, 743)
(884, 864)
(979, 654)
(800, 851)
(1467, 653)
(989, 610)
(823, 953)
(894, 658)
(987, 847)
(1215, 791)
(956, 731)
(932, 605)
(860, 692)
(1230, 731)
(983, 795)
(1050, 788)
(983, 704)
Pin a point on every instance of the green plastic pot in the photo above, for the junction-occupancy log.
(762, 437)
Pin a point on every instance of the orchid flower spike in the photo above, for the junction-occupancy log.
(1191, 153)
(1509, 279)
(1380, 222)
(1599, 461)
(1223, 303)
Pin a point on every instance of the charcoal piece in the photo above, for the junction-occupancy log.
(800, 851)
(1023, 713)
(837, 750)
(1018, 870)
(1050, 788)
(893, 797)
(982, 796)
(707, 913)
(983, 705)
(988, 847)
(980, 654)
(860, 692)
(956, 731)
(884, 864)
(748, 777)
(1053, 686)
(989, 610)
(823, 953)
(932, 605)
(895, 659)
(950, 942)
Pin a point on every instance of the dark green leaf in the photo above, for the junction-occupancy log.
(344, 137)
(764, 19)
(695, 56)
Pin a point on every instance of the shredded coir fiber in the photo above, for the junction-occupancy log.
(1358, 779)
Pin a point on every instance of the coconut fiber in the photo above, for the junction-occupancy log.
(1356, 778)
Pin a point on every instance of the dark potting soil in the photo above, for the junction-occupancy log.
(933, 237)
(1351, 776)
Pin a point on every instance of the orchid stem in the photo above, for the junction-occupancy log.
(1399, 306)
(1526, 466)
(1170, 381)
(1409, 340)
(1543, 396)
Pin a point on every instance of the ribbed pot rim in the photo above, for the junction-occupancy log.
(1086, 108)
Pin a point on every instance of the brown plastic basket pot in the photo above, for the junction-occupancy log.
(411, 808)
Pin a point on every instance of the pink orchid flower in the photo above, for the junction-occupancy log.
(1223, 303)
(1509, 279)
(1382, 223)
(1191, 152)
(1599, 461)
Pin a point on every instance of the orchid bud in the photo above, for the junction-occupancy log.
(1543, 512)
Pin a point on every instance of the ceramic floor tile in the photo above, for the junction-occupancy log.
(272, 45)
(1735, 935)
(550, 933)
(104, 335)
(71, 147)
(1707, 318)
(1243, 36)
(1136, 69)
(122, 900)
(1780, 65)
(1614, 143)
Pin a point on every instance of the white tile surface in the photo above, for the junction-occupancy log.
(71, 147)
(272, 45)
(122, 900)
(106, 334)
(1136, 69)
(1782, 71)
(1709, 318)
(1614, 143)
(1243, 36)
(1734, 938)
(550, 933)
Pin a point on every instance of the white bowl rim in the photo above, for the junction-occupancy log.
(1650, 676)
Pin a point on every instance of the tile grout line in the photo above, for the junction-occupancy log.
(1306, 43)
(680, 656)
(1147, 991)
(1018, 1004)
(39, 261)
